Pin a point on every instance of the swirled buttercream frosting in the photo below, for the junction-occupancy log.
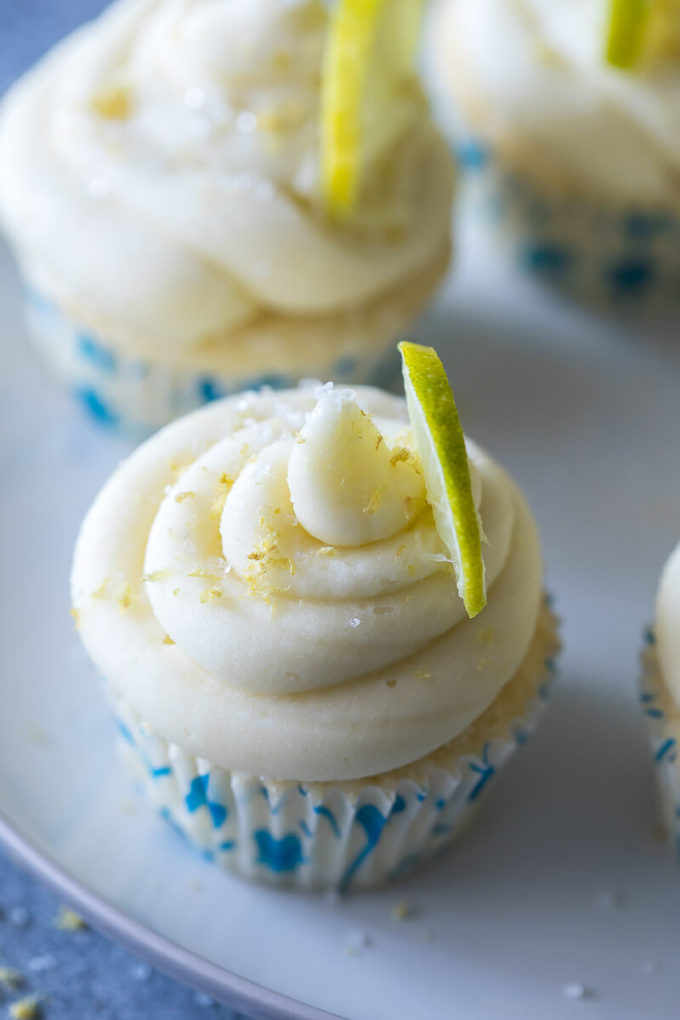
(533, 75)
(159, 171)
(668, 625)
(263, 582)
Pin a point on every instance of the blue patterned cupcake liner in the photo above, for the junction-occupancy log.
(137, 397)
(607, 254)
(664, 733)
(338, 835)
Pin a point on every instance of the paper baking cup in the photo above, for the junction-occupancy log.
(601, 253)
(663, 726)
(137, 397)
(347, 834)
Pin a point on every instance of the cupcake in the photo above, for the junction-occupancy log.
(265, 590)
(569, 124)
(661, 695)
(161, 180)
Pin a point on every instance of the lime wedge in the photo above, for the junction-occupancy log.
(368, 79)
(625, 32)
(440, 444)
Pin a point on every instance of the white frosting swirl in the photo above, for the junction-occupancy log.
(668, 625)
(174, 143)
(286, 606)
(538, 85)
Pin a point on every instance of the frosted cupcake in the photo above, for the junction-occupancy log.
(161, 182)
(298, 685)
(661, 695)
(571, 122)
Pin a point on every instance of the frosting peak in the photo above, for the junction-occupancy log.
(347, 485)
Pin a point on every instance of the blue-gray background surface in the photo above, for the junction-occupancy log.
(82, 975)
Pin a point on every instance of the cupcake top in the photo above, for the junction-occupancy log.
(668, 625)
(159, 172)
(539, 84)
(264, 584)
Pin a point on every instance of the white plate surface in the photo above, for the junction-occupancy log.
(587, 416)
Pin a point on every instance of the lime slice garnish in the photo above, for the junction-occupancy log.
(440, 443)
(367, 76)
(625, 32)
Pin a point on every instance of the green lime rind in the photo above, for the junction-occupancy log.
(440, 442)
(625, 32)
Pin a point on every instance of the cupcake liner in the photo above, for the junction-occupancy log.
(604, 253)
(344, 834)
(136, 396)
(664, 732)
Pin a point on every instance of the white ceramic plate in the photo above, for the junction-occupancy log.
(588, 418)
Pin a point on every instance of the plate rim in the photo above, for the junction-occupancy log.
(180, 964)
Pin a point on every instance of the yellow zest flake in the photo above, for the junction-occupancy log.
(401, 911)
(391, 683)
(25, 1009)
(207, 575)
(177, 467)
(211, 594)
(374, 502)
(181, 496)
(284, 117)
(68, 920)
(400, 455)
(263, 558)
(176, 591)
(167, 640)
(484, 635)
(102, 591)
(75, 616)
(10, 978)
(422, 674)
(108, 589)
(327, 550)
(157, 575)
(411, 569)
(114, 102)
(378, 441)
(479, 666)
(225, 482)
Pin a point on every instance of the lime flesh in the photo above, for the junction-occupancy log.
(368, 70)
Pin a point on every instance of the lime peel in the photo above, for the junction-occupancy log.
(625, 33)
(440, 443)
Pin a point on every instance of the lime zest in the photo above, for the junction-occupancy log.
(439, 440)
(625, 31)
